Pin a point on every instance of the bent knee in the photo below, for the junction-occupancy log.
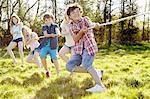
(69, 67)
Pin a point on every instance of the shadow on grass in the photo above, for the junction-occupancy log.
(10, 80)
(34, 79)
(64, 87)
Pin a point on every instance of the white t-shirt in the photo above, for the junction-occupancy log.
(65, 32)
(16, 31)
(34, 43)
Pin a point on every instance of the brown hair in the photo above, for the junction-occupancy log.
(47, 16)
(72, 7)
(11, 20)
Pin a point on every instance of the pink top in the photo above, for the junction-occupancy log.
(34, 43)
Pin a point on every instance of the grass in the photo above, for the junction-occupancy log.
(126, 77)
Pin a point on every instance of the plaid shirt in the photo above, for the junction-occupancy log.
(87, 41)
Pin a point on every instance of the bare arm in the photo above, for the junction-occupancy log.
(48, 35)
(28, 40)
(11, 32)
(80, 34)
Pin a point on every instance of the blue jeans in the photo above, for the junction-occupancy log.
(85, 59)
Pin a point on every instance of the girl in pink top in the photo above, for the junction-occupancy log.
(31, 41)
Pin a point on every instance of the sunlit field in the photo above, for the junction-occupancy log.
(126, 76)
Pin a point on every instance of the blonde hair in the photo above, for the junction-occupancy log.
(11, 20)
(65, 19)
(26, 28)
(29, 33)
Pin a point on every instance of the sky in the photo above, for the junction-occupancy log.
(60, 3)
(140, 3)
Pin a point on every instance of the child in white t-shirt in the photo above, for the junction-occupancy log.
(69, 42)
(16, 31)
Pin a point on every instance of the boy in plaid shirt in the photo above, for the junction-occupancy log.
(85, 46)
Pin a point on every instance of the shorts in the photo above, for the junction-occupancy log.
(76, 60)
(18, 40)
(47, 50)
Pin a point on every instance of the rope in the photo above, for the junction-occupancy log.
(115, 21)
(119, 20)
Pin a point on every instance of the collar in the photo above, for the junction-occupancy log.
(77, 21)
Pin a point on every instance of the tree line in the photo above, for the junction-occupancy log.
(101, 11)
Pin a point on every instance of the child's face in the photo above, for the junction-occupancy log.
(25, 32)
(75, 15)
(14, 20)
(48, 21)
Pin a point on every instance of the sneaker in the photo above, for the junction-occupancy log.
(96, 88)
(100, 73)
(48, 74)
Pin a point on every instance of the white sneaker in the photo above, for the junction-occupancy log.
(100, 73)
(96, 88)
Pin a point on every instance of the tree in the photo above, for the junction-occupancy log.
(54, 7)
(122, 16)
(29, 10)
(148, 27)
(128, 31)
(144, 34)
(2, 7)
(110, 26)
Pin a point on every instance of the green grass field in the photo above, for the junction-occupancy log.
(127, 76)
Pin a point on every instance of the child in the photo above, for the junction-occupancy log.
(51, 31)
(85, 45)
(69, 43)
(16, 31)
(31, 41)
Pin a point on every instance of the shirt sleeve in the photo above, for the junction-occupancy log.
(64, 29)
(57, 31)
(89, 22)
(35, 36)
(20, 27)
